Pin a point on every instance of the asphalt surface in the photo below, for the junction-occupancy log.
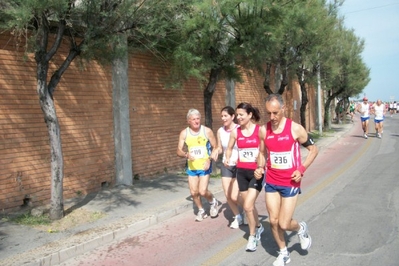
(127, 210)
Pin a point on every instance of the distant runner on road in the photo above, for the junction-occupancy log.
(379, 114)
(364, 110)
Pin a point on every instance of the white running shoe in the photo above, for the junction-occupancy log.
(304, 237)
(214, 208)
(282, 259)
(237, 222)
(252, 243)
(201, 215)
(259, 231)
(365, 136)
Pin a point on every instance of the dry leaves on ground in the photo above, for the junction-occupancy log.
(73, 219)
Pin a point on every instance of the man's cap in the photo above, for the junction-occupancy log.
(365, 99)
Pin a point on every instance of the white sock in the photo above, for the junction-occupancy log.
(284, 250)
(301, 229)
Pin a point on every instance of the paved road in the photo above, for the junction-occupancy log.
(350, 200)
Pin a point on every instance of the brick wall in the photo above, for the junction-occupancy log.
(84, 107)
(83, 101)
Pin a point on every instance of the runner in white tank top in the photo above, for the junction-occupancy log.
(391, 108)
(364, 110)
(229, 172)
(379, 112)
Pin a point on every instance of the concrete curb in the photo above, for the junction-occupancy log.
(65, 253)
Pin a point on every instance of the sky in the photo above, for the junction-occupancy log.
(377, 23)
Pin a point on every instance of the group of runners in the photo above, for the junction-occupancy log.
(255, 157)
(393, 107)
(378, 109)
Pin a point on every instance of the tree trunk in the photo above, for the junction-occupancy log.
(280, 82)
(327, 116)
(45, 93)
(56, 157)
(208, 94)
(304, 95)
(278, 77)
(327, 112)
(284, 80)
(230, 99)
(304, 102)
(266, 82)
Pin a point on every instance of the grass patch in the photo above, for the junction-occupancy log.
(181, 173)
(30, 220)
(216, 175)
(73, 219)
(316, 135)
(43, 222)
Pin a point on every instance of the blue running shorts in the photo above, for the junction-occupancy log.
(198, 172)
(285, 192)
(364, 118)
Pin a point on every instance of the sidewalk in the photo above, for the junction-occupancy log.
(126, 210)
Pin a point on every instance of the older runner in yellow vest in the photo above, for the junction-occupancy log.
(197, 144)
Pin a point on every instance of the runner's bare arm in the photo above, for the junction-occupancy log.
(219, 146)
(212, 140)
(180, 146)
(261, 160)
(229, 149)
(300, 134)
(358, 108)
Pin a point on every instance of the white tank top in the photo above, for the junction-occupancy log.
(224, 139)
(364, 110)
(379, 112)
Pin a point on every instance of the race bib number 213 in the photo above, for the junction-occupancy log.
(248, 155)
